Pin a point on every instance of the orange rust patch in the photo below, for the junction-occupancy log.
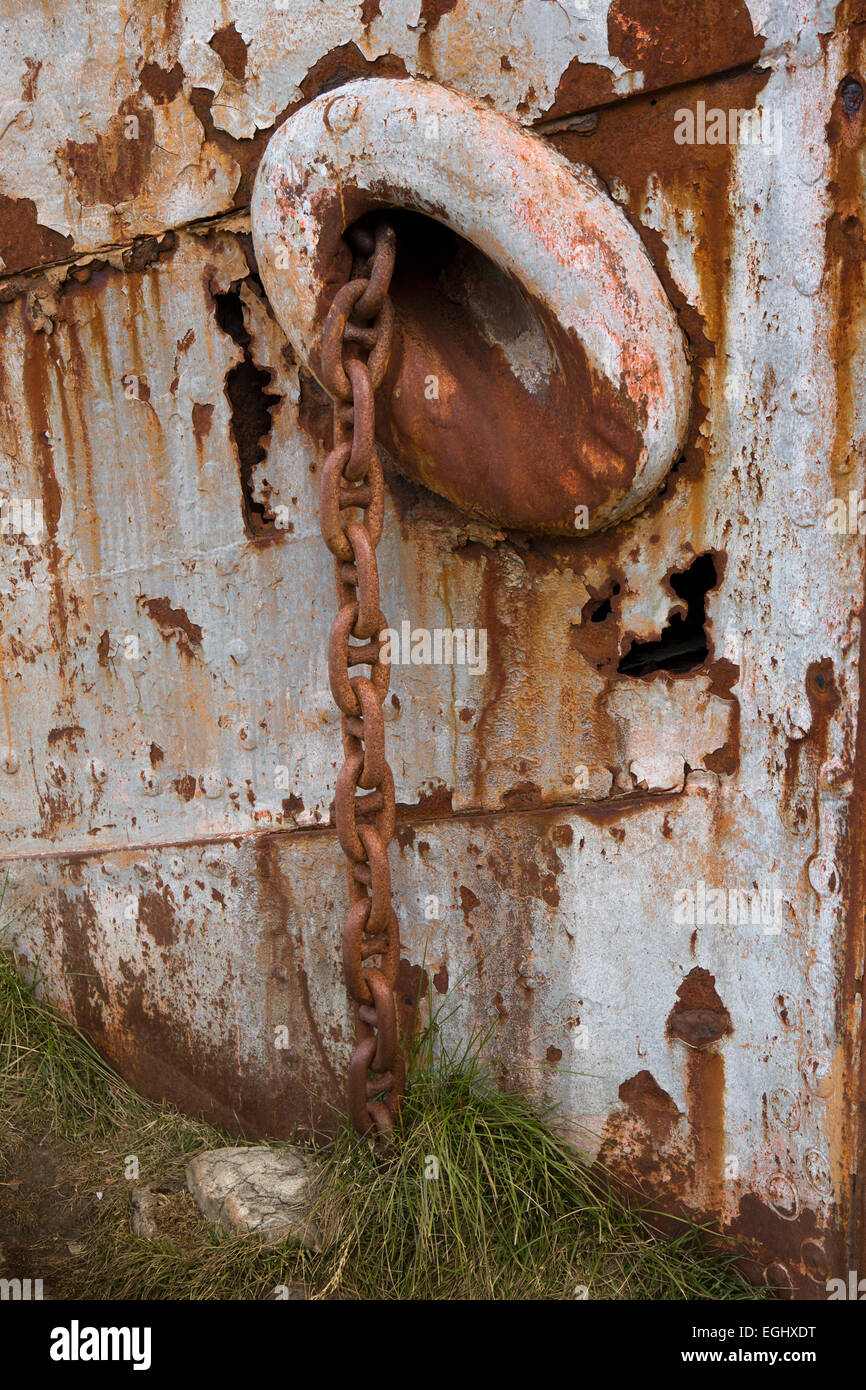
(161, 84)
(227, 42)
(658, 1110)
(174, 622)
(156, 915)
(674, 40)
(24, 242)
(113, 167)
(581, 85)
(699, 1017)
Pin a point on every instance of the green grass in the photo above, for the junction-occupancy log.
(480, 1198)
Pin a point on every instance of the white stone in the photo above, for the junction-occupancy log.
(262, 1190)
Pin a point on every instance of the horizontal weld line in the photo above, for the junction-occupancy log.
(628, 98)
(106, 247)
(242, 209)
(646, 799)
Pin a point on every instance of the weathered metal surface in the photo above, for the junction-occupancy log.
(118, 123)
(166, 624)
(165, 804)
(553, 397)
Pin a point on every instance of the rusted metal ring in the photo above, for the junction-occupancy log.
(377, 362)
(589, 435)
(359, 946)
(353, 970)
(339, 652)
(364, 558)
(370, 737)
(333, 532)
(356, 1086)
(347, 807)
(332, 504)
(380, 878)
(383, 1018)
(334, 377)
(364, 420)
(384, 250)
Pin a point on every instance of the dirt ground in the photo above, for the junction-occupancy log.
(45, 1214)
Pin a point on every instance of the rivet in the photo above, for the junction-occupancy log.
(214, 865)
(211, 784)
(818, 1075)
(823, 876)
(817, 1169)
(777, 1276)
(782, 1195)
(808, 280)
(801, 618)
(802, 506)
(11, 763)
(97, 770)
(341, 114)
(149, 782)
(805, 397)
(785, 1107)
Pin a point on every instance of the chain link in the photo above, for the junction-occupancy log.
(361, 321)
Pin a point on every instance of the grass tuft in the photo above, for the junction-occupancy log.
(481, 1197)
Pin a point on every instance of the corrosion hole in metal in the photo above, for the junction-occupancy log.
(251, 403)
(683, 644)
(601, 610)
(852, 95)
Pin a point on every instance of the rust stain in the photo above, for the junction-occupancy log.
(434, 802)
(24, 242)
(675, 40)
(724, 675)
(156, 915)
(232, 49)
(845, 253)
(161, 84)
(186, 786)
(705, 1089)
(805, 756)
(30, 78)
(174, 622)
(113, 167)
(646, 1098)
(433, 11)
(581, 85)
(202, 418)
(468, 903)
(411, 989)
(699, 1017)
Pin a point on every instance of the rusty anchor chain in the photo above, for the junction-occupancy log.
(355, 347)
